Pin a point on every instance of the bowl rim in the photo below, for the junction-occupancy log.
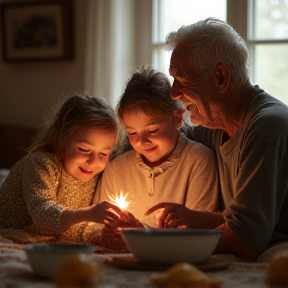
(58, 247)
(170, 231)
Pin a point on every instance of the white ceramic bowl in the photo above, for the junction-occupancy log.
(169, 245)
(46, 259)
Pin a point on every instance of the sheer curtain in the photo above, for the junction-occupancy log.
(119, 40)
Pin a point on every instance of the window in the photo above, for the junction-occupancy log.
(263, 24)
(169, 15)
(268, 43)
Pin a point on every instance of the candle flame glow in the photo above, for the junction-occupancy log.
(120, 200)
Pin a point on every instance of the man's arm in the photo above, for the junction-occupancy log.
(230, 243)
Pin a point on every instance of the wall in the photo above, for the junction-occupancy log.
(28, 89)
(120, 33)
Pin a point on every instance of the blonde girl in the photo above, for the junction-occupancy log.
(48, 194)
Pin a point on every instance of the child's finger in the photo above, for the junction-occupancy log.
(157, 207)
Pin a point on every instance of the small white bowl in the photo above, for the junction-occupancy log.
(46, 259)
(169, 245)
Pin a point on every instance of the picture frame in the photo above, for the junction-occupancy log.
(33, 31)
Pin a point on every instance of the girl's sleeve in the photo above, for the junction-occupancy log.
(40, 186)
(88, 232)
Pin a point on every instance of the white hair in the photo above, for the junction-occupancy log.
(210, 42)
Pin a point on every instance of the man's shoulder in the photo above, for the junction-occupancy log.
(267, 115)
(265, 106)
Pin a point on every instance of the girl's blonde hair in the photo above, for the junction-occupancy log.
(77, 111)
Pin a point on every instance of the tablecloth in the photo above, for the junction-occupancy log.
(16, 272)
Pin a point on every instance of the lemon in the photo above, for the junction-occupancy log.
(185, 275)
(78, 271)
(277, 272)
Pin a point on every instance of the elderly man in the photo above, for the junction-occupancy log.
(245, 127)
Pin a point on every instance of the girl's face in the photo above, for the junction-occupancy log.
(86, 152)
(154, 138)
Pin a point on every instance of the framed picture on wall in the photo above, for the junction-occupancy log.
(39, 30)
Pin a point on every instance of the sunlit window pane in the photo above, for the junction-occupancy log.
(175, 13)
(169, 15)
(270, 69)
(270, 19)
(161, 60)
(268, 24)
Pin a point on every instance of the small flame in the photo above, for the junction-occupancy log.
(120, 201)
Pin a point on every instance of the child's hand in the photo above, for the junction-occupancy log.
(99, 213)
(172, 215)
(127, 219)
(111, 237)
(105, 211)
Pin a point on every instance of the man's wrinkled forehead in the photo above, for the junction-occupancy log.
(178, 61)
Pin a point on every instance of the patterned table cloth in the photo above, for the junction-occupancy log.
(16, 272)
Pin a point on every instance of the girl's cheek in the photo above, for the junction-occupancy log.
(103, 165)
(106, 162)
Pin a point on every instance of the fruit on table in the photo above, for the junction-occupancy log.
(185, 275)
(277, 272)
(78, 271)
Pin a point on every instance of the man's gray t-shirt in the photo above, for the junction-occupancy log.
(253, 171)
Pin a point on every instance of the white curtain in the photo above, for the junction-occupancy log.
(119, 40)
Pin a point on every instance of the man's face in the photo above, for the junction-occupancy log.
(197, 94)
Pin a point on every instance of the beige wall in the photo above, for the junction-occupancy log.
(112, 37)
(28, 89)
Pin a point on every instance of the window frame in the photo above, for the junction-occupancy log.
(239, 15)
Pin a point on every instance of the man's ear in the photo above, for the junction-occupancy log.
(178, 116)
(223, 77)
